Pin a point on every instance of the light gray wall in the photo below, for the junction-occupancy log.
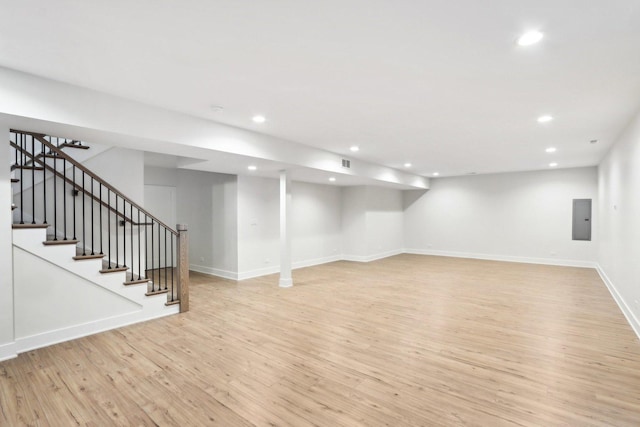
(619, 212)
(522, 216)
(206, 202)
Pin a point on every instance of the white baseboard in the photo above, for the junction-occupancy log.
(225, 274)
(506, 258)
(78, 331)
(624, 307)
(374, 257)
(276, 269)
(8, 351)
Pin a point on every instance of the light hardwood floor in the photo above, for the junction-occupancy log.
(405, 341)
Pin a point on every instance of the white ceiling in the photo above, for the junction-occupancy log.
(440, 84)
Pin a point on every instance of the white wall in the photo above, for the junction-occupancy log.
(385, 222)
(516, 216)
(316, 224)
(372, 219)
(6, 263)
(206, 202)
(619, 250)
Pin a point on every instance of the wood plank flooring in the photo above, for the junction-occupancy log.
(405, 341)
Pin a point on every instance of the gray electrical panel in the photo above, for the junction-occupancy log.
(581, 219)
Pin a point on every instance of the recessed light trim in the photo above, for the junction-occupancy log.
(252, 167)
(332, 178)
(553, 164)
(407, 165)
(354, 148)
(530, 38)
(545, 118)
(551, 150)
(259, 119)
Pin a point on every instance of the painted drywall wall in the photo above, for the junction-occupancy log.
(206, 202)
(385, 222)
(6, 263)
(619, 213)
(372, 223)
(315, 227)
(517, 216)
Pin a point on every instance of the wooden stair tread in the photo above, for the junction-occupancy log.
(82, 147)
(135, 282)
(174, 302)
(161, 291)
(15, 180)
(38, 168)
(113, 270)
(60, 242)
(18, 226)
(83, 257)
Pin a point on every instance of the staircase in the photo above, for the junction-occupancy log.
(70, 222)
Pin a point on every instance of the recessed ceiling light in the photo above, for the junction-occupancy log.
(252, 167)
(332, 179)
(545, 119)
(436, 174)
(407, 165)
(259, 119)
(529, 38)
(354, 148)
(593, 141)
(551, 150)
(553, 165)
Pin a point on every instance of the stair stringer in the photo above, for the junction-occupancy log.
(28, 242)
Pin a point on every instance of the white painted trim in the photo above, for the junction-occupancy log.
(225, 274)
(78, 331)
(624, 307)
(8, 351)
(506, 258)
(374, 257)
(298, 264)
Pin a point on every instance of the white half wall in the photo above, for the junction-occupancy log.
(524, 217)
(619, 249)
(6, 263)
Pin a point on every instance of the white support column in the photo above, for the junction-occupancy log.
(285, 230)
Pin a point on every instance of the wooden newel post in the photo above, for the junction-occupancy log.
(183, 267)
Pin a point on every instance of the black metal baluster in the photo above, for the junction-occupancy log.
(44, 182)
(146, 247)
(84, 227)
(172, 267)
(109, 227)
(117, 246)
(139, 249)
(64, 196)
(22, 179)
(159, 261)
(75, 196)
(131, 216)
(166, 276)
(55, 199)
(101, 231)
(93, 244)
(153, 264)
(33, 179)
(124, 232)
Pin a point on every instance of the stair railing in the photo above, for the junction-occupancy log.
(80, 207)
